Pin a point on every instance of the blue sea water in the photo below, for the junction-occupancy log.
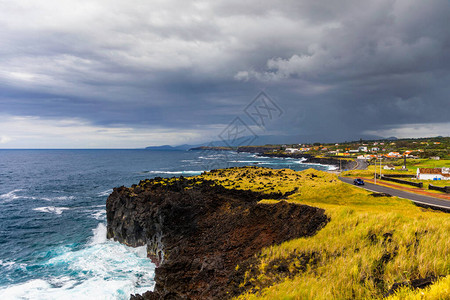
(53, 220)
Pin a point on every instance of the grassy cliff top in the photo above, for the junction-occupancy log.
(369, 244)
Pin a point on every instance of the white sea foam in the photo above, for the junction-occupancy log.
(174, 172)
(57, 288)
(59, 198)
(51, 209)
(6, 264)
(246, 161)
(99, 235)
(105, 193)
(102, 270)
(12, 265)
(95, 206)
(10, 196)
(209, 157)
(99, 215)
(300, 161)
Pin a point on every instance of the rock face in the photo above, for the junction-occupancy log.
(197, 232)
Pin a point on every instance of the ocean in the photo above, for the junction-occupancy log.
(53, 221)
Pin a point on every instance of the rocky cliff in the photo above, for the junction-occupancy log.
(198, 232)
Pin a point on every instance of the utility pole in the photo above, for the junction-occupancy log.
(375, 178)
(380, 167)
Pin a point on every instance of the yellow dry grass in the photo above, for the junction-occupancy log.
(438, 291)
(369, 244)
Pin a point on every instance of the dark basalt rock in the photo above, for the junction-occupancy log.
(197, 232)
(419, 283)
(380, 194)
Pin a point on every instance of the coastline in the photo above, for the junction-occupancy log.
(337, 163)
(203, 236)
(197, 230)
(310, 159)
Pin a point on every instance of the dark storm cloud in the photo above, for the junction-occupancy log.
(339, 69)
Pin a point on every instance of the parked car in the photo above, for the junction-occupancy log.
(358, 181)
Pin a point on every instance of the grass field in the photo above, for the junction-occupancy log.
(411, 165)
(369, 244)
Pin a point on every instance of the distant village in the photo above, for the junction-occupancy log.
(393, 153)
(369, 150)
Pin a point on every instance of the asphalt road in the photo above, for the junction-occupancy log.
(361, 164)
(421, 200)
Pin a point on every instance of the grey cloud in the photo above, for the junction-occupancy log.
(178, 64)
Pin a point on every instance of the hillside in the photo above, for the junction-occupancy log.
(372, 246)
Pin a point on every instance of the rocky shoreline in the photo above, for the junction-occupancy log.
(201, 235)
(264, 151)
(342, 163)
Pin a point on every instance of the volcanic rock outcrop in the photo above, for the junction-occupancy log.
(197, 232)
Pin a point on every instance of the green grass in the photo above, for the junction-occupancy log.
(431, 163)
(411, 165)
(371, 171)
(369, 244)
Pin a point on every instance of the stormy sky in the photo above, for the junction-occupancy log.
(128, 74)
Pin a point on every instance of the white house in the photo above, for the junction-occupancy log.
(292, 150)
(433, 173)
(362, 148)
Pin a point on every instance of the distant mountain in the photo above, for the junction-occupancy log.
(258, 141)
(185, 147)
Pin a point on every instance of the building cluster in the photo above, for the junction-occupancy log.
(364, 151)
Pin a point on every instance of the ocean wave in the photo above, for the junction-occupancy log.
(317, 164)
(94, 206)
(59, 198)
(51, 209)
(209, 157)
(173, 172)
(98, 235)
(300, 161)
(99, 215)
(212, 156)
(105, 193)
(10, 196)
(102, 270)
(7, 264)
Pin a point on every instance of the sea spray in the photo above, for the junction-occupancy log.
(102, 269)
